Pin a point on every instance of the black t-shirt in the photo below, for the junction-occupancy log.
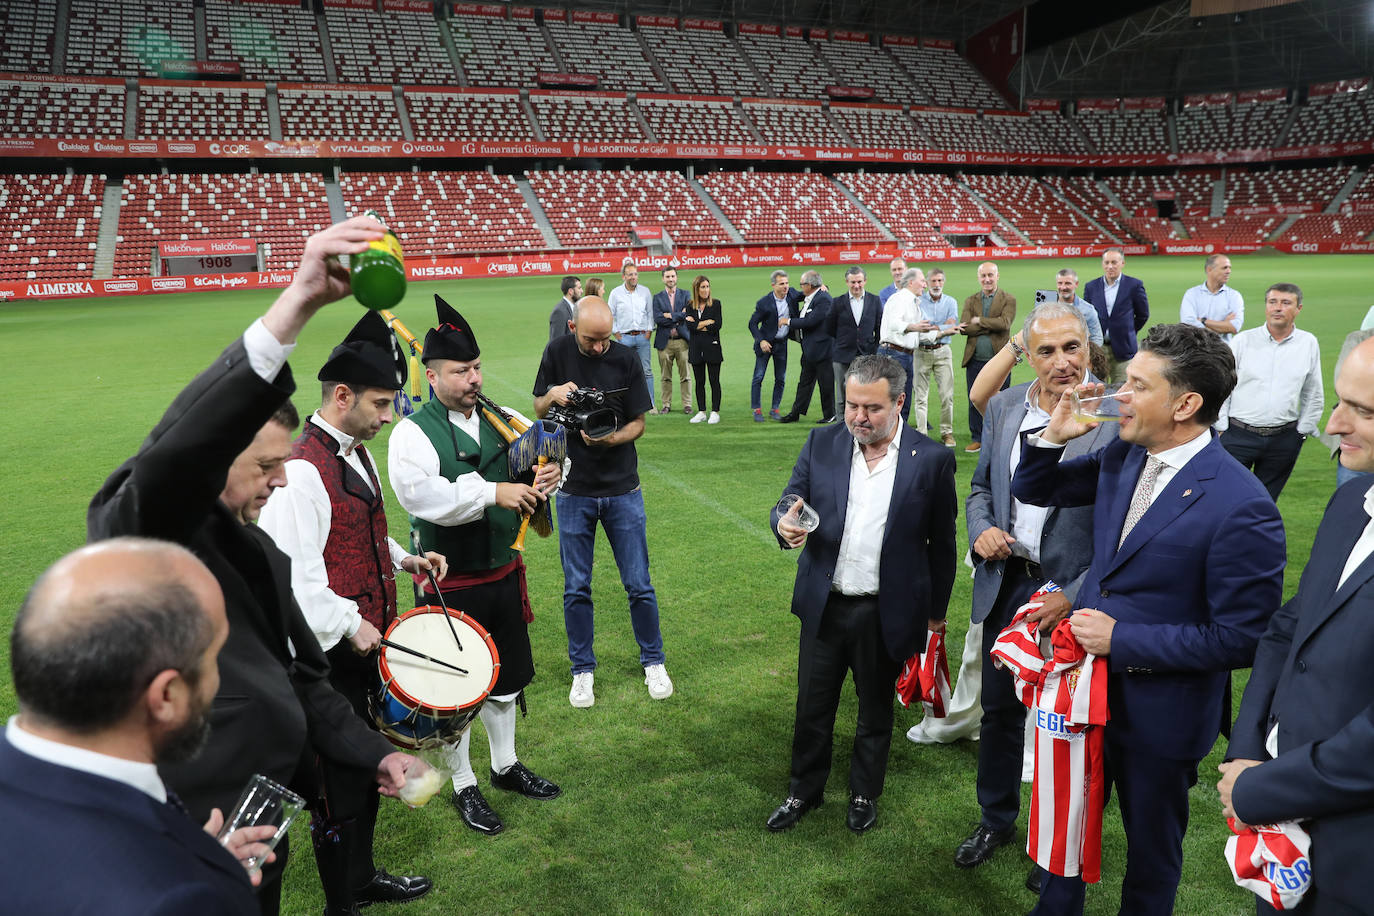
(596, 470)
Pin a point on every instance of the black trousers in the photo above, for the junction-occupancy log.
(1002, 734)
(815, 374)
(699, 370)
(850, 639)
(1270, 457)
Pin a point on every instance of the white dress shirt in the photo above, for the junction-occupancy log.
(631, 310)
(140, 776)
(1365, 545)
(1028, 522)
(299, 517)
(1201, 303)
(265, 353)
(865, 519)
(1173, 459)
(1109, 290)
(1278, 381)
(901, 310)
(856, 306)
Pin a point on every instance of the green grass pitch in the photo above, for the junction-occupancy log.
(664, 802)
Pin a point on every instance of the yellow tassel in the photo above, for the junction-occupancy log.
(417, 378)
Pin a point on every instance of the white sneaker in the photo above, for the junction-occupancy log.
(660, 685)
(701, 415)
(581, 695)
(917, 735)
(715, 418)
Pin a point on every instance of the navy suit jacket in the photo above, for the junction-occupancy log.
(76, 843)
(916, 569)
(1312, 677)
(853, 340)
(1066, 541)
(763, 321)
(1129, 314)
(1191, 589)
(812, 329)
(678, 310)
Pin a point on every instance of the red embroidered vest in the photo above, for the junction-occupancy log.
(356, 555)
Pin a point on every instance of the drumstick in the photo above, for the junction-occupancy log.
(420, 551)
(409, 651)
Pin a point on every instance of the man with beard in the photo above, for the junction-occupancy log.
(449, 469)
(331, 521)
(602, 486)
(114, 660)
(874, 576)
(201, 479)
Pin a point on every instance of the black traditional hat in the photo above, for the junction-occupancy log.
(368, 357)
(452, 338)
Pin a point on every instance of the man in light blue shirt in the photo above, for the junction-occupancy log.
(933, 356)
(632, 318)
(898, 267)
(1066, 282)
(1214, 305)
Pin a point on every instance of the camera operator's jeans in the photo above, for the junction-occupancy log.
(624, 521)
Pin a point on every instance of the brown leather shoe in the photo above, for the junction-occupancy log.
(974, 447)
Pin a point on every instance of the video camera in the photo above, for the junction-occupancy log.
(586, 410)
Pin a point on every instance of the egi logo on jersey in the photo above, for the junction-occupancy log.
(1055, 725)
(1293, 879)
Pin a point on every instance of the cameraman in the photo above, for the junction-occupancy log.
(602, 485)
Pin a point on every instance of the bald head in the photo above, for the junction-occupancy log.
(591, 323)
(101, 623)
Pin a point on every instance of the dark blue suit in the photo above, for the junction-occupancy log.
(871, 636)
(763, 325)
(76, 843)
(813, 333)
(677, 310)
(1191, 590)
(1129, 314)
(1312, 677)
(852, 339)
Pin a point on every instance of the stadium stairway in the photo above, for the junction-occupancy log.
(982, 202)
(654, 64)
(202, 46)
(59, 42)
(1078, 131)
(130, 109)
(102, 268)
(749, 122)
(528, 107)
(338, 210)
(553, 50)
(1180, 230)
(450, 48)
(326, 49)
(1282, 227)
(273, 112)
(1218, 209)
(633, 106)
(1287, 128)
(1171, 129)
(1083, 213)
(713, 207)
(849, 196)
(403, 113)
(1356, 177)
(541, 219)
(839, 129)
(1111, 195)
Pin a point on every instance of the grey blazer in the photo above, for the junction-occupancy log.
(1066, 544)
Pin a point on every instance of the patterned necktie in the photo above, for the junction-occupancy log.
(1141, 500)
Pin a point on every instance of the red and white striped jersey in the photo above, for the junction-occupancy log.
(1271, 861)
(926, 675)
(1066, 691)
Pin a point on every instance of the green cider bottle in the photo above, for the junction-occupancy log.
(378, 275)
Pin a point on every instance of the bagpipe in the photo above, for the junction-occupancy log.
(528, 446)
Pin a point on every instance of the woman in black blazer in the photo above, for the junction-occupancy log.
(703, 349)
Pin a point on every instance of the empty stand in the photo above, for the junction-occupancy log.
(62, 108)
(947, 78)
(883, 127)
(913, 205)
(500, 52)
(270, 41)
(1034, 211)
(443, 115)
(360, 113)
(52, 224)
(397, 46)
(1333, 118)
(695, 120)
(1285, 190)
(858, 63)
(797, 123)
(1082, 191)
(1190, 190)
(1227, 230)
(702, 62)
(1149, 229)
(607, 51)
(202, 112)
(1056, 126)
(1230, 126)
(791, 65)
(129, 38)
(780, 207)
(953, 130)
(279, 211)
(1041, 132)
(1117, 133)
(26, 36)
(590, 209)
(445, 212)
(585, 116)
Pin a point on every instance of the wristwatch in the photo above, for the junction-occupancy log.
(1016, 350)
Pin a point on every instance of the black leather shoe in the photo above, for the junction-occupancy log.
(978, 848)
(788, 418)
(476, 813)
(387, 888)
(519, 779)
(789, 812)
(863, 813)
(1033, 879)
(830, 419)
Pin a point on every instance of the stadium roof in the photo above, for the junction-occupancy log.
(1078, 48)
